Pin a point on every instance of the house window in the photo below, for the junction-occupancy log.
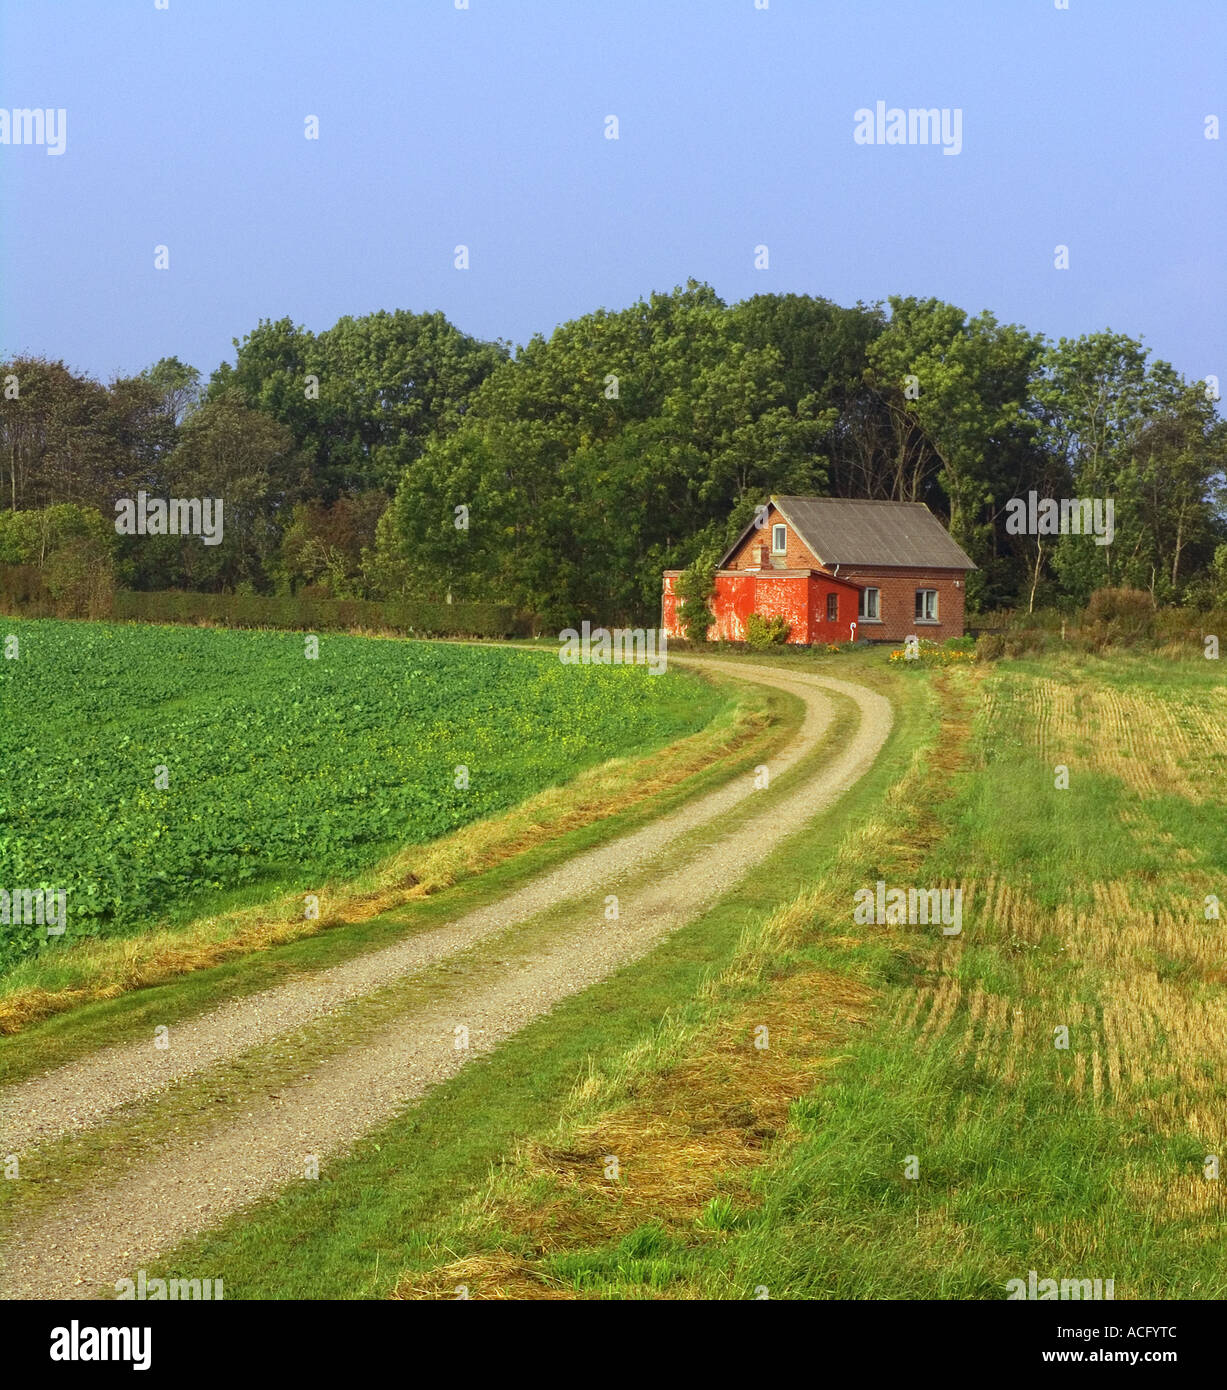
(779, 539)
(832, 608)
(926, 605)
(869, 606)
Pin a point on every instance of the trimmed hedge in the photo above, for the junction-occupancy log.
(412, 617)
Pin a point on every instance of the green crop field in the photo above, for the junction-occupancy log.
(147, 768)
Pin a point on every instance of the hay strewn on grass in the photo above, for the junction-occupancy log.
(694, 1111)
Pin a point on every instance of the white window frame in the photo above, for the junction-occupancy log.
(865, 604)
(779, 543)
(923, 615)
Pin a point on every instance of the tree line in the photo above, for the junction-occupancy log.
(394, 456)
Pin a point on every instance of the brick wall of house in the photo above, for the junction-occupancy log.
(797, 556)
(897, 602)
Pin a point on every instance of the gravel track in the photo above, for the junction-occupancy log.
(192, 1185)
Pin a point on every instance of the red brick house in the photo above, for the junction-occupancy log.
(835, 568)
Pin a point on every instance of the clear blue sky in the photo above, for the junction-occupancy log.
(441, 126)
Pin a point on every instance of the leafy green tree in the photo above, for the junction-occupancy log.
(362, 398)
(695, 588)
(56, 444)
(624, 443)
(1134, 432)
(68, 553)
(1179, 453)
(964, 385)
(823, 357)
(325, 545)
(247, 460)
(32, 537)
(1218, 576)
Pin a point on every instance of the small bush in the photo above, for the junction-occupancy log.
(1041, 620)
(1098, 637)
(1172, 624)
(22, 590)
(762, 633)
(990, 646)
(80, 578)
(1032, 642)
(1130, 609)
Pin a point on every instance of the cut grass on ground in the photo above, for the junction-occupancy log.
(890, 1050)
(1084, 910)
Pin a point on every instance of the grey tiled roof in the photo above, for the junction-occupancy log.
(848, 531)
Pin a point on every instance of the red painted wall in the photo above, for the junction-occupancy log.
(800, 597)
(847, 601)
(669, 624)
(776, 596)
(732, 605)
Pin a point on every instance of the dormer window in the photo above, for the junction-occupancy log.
(779, 539)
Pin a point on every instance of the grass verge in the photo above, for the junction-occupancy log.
(352, 1233)
(1039, 1092)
